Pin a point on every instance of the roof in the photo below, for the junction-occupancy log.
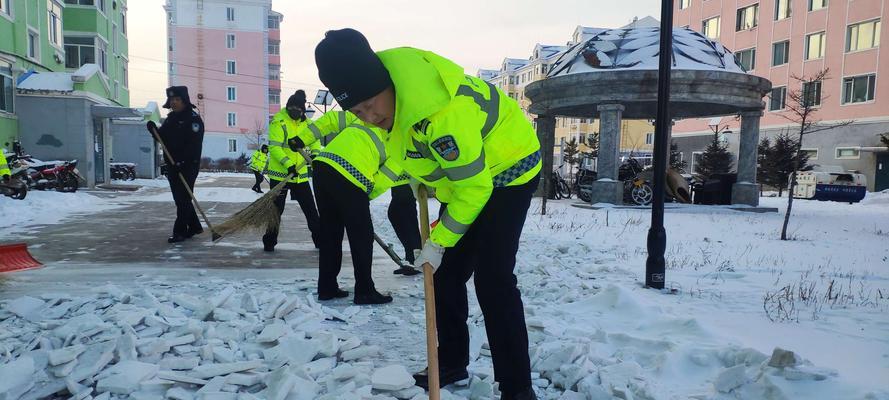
(512, 64)
(644, 22)
(637, 49)
(58, 81)
(486, 74)
(545, 51)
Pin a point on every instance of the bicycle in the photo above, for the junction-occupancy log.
(560, 188)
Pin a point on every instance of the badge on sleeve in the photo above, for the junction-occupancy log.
(446, 147)
(195, 127)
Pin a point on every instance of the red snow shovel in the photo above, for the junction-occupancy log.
(15, 257)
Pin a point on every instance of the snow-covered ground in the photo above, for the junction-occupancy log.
(738, 293)
(47, 207)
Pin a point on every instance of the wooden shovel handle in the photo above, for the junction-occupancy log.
(429, 289)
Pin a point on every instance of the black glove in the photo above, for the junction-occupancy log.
(292, 170)
(151, 126)
(296, 144)
(5, 177)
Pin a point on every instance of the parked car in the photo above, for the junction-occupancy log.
(830, 184)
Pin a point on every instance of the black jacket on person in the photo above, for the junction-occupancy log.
(183, 135)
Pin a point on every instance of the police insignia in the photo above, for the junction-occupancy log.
(446, 147)
(195, 127)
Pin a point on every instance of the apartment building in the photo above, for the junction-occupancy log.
(228, 54)
(782, 40)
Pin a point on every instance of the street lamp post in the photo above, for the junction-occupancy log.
(657, 236)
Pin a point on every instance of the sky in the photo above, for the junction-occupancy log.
(473, 33)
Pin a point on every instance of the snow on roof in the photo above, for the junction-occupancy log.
(512, 64)
(644, 22)
(545, 51)
(85, 72)
(486, 74)
(53, 81)
(637, 49)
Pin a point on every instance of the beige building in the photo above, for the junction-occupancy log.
(637, 136)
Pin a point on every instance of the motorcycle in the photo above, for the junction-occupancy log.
(15, 187)
(123, 171)
(63, 177)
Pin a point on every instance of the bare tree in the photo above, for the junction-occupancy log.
(254, 136)
(801, 106)
(885, 139)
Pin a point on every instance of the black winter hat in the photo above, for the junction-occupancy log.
(349, 67)
(178, 91)
(298, 99)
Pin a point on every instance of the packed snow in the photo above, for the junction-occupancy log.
(47, 207)
(744, 316)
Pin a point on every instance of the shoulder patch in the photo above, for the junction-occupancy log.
(446, 147)
(414, 154)
(195, 127)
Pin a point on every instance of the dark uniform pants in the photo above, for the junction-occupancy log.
(343, 206)
(488, 250)
(302, 193)
(186, 217)
(403, 217)
(258, 176)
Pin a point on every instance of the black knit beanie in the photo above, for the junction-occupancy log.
(297, 99)
(349, 67)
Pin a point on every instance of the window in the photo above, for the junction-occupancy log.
(169, 44)
(748, 17)
(170, 18)
(233, 145)
(812, 153)
(6, 89)
(274, 47)
(33, 45)
(55, 23)
(125, 74)
(776, 98)
(747, 59)
(231, 93)
(100, 4)
(782, 9)
(649, 138)
(863, 35)
(171, 68)
(229, 14)
(710, 28)
(848, 153)
(229, 40)
(817, 4)
(274, 72)
(274, 22)
(815, 45)
(696, 157)
(811, 94)
(79, 51)
(780, 53)
(230, 67)
(683, 4)
(232, 119)
(5, 7)
(858, 89)
(274, 96)
(114, 38)
(123, 21)
(103, 57)
(80, 2)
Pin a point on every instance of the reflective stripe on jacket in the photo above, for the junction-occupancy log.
(259, 161)
(457, 133)
(281, 129)
(356, 151)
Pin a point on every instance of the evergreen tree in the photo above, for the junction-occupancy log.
(764, 167)
(715, 160)
(786, 158)
(676, 161)
(570, 155)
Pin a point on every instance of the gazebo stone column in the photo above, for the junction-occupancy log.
(546, 134)
(608, 189)
(746, 190)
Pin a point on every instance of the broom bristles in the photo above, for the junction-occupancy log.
(259, 216)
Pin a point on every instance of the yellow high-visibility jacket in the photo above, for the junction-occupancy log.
(458, 134)
(259, 161)
(355, 150)
(281, 157)
(4, 165)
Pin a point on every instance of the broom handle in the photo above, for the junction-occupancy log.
(429, 288)
(169, 158)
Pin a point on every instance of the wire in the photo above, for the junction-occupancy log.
(222, 71)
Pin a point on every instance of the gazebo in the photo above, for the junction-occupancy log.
(613, 75)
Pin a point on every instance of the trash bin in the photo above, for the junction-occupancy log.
(716, 190)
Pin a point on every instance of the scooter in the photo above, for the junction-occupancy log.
(15, 187)
(123, 171)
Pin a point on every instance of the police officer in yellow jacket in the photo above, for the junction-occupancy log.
(4, 167)
(283, 161)
(352, 169)
(259, 164)
(464, 137)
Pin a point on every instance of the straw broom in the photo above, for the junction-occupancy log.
(259, 216)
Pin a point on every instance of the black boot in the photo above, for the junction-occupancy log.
(372, 297)
(446, 376)
(176, 238)
(406, 270)
(192, 232)
(526, 394)
(337, 294)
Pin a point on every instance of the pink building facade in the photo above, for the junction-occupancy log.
(783, 39)
(228, 54)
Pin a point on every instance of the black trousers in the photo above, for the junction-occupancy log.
(487, 251)
(186, 217)
(403, 217)
(258, 176)
(343, 206)
(302, 193)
